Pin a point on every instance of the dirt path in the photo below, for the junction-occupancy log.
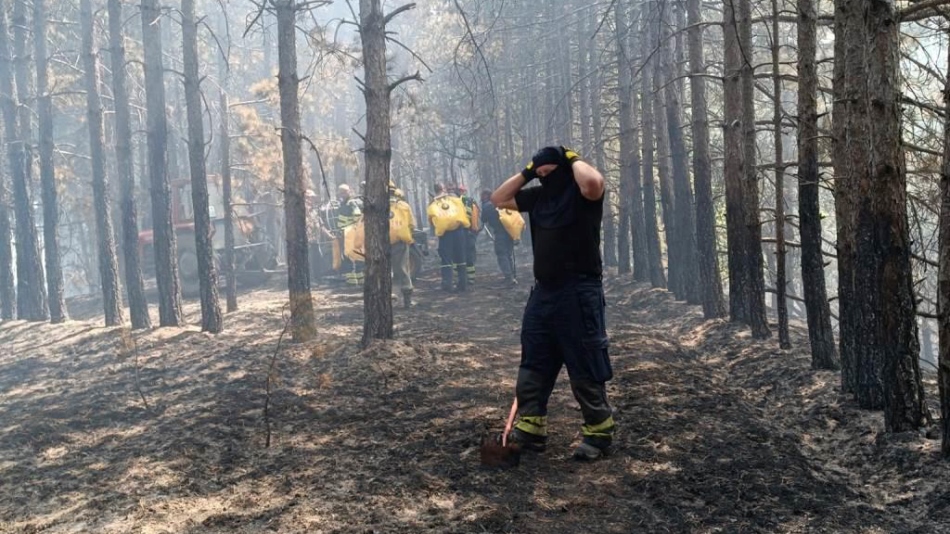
(718, 434)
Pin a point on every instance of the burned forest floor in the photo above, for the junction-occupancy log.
(165, 431)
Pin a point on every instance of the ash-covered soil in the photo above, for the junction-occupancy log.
(111, 431)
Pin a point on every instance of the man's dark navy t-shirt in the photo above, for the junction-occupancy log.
(565, 228)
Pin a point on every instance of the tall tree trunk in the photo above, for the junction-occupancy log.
(707, 252)
(224, 137)
(8, 304)
(207, 274)
(377, 304)
(781, 280)
(624, 89)
(44, 107)
(134, 285)
(654, 254)
(32, 304)
(820, 335)
(659, 75)
(597, 148)
(295, 214)
(166, 264)
(732, 165)
(682, 193)
(638, 230)
(943, 285)
(7, 282)
(105, 238)
(874, 190)
(754, 297)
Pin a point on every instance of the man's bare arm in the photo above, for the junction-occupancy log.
(504, 196)
(589, 179)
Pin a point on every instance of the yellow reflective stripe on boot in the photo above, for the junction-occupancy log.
(600, 430)
(536, 425)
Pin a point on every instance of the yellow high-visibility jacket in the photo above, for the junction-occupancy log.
(447, 213)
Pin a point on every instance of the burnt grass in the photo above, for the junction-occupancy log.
(718, 432)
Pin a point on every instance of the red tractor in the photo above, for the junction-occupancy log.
(255, 259)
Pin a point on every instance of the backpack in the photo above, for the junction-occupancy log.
(400, 222)
(354, 238)
(513, 222)
(447, 214)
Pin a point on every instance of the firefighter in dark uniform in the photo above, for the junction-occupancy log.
(564, 320)
(473, 210)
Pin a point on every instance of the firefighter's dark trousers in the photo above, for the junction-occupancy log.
(452, 254)
(564, 325)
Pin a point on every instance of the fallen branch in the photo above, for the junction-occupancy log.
(270, 376)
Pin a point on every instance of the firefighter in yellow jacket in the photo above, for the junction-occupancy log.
(401, 225)
(447, 216)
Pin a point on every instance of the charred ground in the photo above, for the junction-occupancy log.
(719, 433)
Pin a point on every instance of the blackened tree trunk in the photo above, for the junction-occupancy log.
(224, 137)
(886, 351)
(207, 274)
(8, 304)
(943, 285)
(31, 284)
(732, 165)
(166, 264)
(105, 238)
(295, 212)
(654, 255)
(7, 283)
(820, 335)
(624, 90)
(707, 253)
(754, 297)
(44, 109)
(377, 304)
(134, 285)
(15, 158)
(674, 263)
(597, 148)
(684, 225)
(781, 279)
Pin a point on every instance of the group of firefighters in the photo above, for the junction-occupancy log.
(455, 218)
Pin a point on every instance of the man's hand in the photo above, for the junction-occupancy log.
(529, 172)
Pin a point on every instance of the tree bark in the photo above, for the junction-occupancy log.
(624, 90)
(654, 255)
(943, 284)
(105, 238)
(707, 252)
(44, 108)
(295, 214)
(134, 285)
(874, 194)
(597, 149)
(31, 284)
(377, 303)
(752, 228)
(166, 265)
(732, 165)
(818, 310)
(781, 279)
(660, 76)
(207, 274)
(224, 137)
(11, 307)
(685, 227)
